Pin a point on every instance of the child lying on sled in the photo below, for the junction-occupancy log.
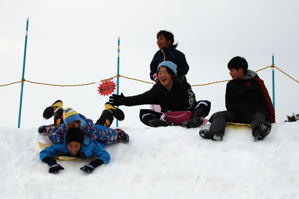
(68, 118)
(76, 145)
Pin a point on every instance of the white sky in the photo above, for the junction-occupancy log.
(74, 42)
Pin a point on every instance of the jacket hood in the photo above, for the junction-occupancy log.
(250, 74)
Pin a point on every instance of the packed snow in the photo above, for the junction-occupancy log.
(165, 162)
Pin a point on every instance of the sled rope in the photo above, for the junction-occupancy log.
(60, 85)
(135, 79)
(11, 83)
(289, 76)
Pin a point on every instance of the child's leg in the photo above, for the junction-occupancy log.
(105, 119)
(152, 118)
(260, 128)
(108, 115)
(109, 136)
(55, 109)
(202, 109)
(218, 123)
(219, 120)
(257, 120)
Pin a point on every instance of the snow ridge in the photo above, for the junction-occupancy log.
(166, 162)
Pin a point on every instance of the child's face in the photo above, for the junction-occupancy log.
(162, 42)
(74, 147)
(75, 124)
(164, 77)
(236, 74)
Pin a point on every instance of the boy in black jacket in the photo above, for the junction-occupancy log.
(247, 101)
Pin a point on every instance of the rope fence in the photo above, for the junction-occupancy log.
(138, 80)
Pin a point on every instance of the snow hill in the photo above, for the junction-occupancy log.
(166, 162)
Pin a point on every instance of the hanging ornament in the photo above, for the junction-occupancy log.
(106, 87)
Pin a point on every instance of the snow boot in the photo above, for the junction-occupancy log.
(55, 109)
(193, 123)
(156, 122)
(207, 134)
(106, 118)
(261, 132)
(116, 112)
(122, 136)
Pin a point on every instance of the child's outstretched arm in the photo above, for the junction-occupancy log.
(47, 156)
(103, 157)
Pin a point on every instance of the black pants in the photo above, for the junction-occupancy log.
(219, 120)
(202, 109)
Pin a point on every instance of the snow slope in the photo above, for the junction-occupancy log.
(167, 162)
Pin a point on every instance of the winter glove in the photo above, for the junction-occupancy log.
(155, 77)
(89, 168)
(55, 168)
(117, 100)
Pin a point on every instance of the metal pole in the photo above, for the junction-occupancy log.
(118, 63)
(273, 82)
(23, 74)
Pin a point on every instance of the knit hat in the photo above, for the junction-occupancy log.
(74, 135)
(169, 64)
(70, 115)
(237, 63)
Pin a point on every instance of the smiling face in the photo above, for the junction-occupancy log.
(162, 42)
(74, 147)
(164, 77)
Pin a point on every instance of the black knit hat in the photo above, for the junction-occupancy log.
(237, 63)
(74, 134)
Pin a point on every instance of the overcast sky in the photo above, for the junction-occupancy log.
(74, 42)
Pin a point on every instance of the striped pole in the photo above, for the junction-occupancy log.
(273, 82)
(23, 74)
(118, 64)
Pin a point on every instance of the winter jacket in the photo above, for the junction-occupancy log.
(88, 150)
(247, 96)
(179, 98)
(96, 132)
(170, 54)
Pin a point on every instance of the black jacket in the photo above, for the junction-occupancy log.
(248, 96)
(170, 54)
(179, 98)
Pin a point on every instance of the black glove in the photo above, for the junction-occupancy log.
(117, 100)
(89, 168)
(55, 168)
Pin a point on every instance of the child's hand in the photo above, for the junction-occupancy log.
(92, 165)
(155, 77)
(87, 168)
(117, 100)
(54, 169)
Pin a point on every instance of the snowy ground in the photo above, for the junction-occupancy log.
(169, 162)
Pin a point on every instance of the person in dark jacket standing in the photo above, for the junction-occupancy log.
(168, 52)
(247, 101)
(170, 95)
